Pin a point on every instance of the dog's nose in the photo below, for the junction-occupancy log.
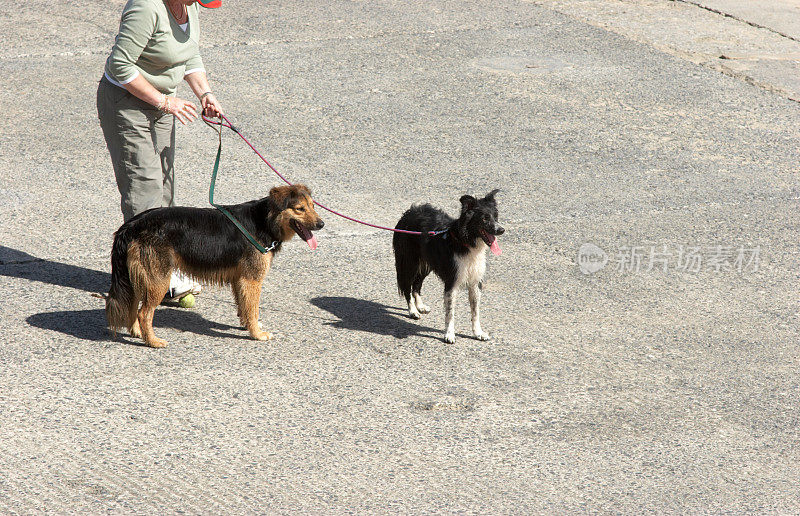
(320, 224)
(499, 230)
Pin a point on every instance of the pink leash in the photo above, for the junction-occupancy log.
(224, 122)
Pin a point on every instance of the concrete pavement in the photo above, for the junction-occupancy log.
(664, 382)
(755, 41)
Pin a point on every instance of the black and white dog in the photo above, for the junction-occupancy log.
(457, 256)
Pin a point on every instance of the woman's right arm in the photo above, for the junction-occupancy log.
(184, 110)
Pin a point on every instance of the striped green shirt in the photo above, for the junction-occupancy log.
(152, 44)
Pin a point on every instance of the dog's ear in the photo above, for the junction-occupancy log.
(281, 196)
(490, 195)
(468, 202)
(302, 189)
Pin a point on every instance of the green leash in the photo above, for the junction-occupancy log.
(228, 214)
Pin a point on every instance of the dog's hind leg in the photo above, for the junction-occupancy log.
(411, 299)
(248, 296)
(450, 331)
(133, 317)
(407, 265)
(405, 284)
(474, 306)
(156, 289)
(149, 274)
(416, 289)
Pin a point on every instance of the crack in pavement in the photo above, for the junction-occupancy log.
(737, 18)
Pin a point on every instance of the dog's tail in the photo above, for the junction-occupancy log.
(405, 262)
(121, 294)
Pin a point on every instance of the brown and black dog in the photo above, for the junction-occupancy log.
(203, 243)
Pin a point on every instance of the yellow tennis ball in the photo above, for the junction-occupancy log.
(186, 301)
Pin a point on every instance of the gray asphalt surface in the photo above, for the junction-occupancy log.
(639, 388)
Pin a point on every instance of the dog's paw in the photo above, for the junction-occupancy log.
(482, 336)
(136, 331)
(423, 309)
(450, 338)
(157, 343)
(261, 335)
(414, 314)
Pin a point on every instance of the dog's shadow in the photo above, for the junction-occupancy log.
(371, 317)
(352, 313)
(90, 325)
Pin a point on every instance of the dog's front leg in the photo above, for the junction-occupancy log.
(248, 297)
(450, 330)
(475, 306)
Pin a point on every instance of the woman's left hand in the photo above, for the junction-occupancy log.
(211, 107)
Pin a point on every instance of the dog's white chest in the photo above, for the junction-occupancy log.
(471, 266)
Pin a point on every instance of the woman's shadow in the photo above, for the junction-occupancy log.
(91, 324)
(19, 264)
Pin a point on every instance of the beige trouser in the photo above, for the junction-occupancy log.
(141, 141)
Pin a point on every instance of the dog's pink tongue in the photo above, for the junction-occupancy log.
(312, 242)
(495, 247)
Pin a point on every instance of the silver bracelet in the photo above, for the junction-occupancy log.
(204, 95)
